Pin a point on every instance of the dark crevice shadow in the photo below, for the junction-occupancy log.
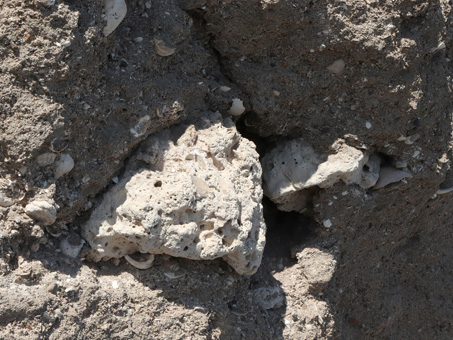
(286, 231)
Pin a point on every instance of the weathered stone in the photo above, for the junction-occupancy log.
(199, 198)
(294, 165)
(46, 159)
(42, 211)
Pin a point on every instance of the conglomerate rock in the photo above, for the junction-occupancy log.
(199, 198)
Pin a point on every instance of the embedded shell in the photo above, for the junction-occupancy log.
(162, 49)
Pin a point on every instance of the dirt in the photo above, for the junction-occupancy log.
(382, 270)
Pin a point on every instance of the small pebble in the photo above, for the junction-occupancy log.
(138, 39)
(368, 125)
(58, 313)
(327, 223)
(42, 211)
(45, 159)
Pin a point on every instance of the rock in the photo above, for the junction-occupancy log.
(269, 297)
(71, 245)
(45, 159)
(42, 211)
(293, 166)
(64, 165)
(5, 201)
(199, 198)
(318, 268)
(116, 11)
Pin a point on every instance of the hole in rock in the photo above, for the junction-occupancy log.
(285, 231)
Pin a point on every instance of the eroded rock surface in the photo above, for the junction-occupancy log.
(198, 198)
(294, 165)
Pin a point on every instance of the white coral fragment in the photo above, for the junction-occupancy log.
(116, 11)
(199, 198)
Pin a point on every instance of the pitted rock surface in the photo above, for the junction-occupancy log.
(197, 198)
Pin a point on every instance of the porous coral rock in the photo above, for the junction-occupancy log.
(293, 166)
(199, 197)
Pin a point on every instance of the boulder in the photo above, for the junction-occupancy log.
(196, 196)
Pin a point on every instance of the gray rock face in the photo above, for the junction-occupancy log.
(198, 198)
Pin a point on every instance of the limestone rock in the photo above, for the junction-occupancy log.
(293, 166)
(42, 211)
(199, 197)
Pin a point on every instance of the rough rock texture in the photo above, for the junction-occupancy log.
(293, 166)
(199, 198)
(376, 74)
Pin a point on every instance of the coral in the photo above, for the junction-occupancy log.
(294, 165)
(199, 198)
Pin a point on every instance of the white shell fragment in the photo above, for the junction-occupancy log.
(162, 49)
(42, 211)
(337, 66)
(45, 159)
(237, 107)
(116, 11)
(64, 165)
(140, 265)
(141, 127)
(389, 175)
